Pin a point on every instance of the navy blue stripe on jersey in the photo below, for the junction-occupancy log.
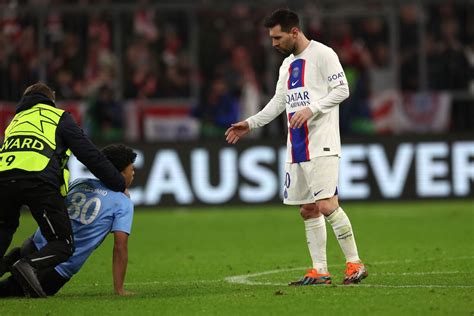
(296, 74)
(299, 142)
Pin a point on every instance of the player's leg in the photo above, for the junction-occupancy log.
(9, 221)
(15, 254)
(342, 227)
(316, 237)
(9, 259)
(10, 287)
(297, 192)
(49, 210)
(51, 281)
(322, 174)
(9, 214)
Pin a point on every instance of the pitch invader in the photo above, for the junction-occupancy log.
(94, 212)
(310, 87)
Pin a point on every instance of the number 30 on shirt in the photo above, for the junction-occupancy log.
(85, 209)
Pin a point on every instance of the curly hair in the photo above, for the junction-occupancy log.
(119, 155)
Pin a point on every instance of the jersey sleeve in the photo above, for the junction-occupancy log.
(332, 69)
(333, 73)
(274, 107)
(123, 216)
(76, 182)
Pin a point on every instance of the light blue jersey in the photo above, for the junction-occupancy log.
(94, 211)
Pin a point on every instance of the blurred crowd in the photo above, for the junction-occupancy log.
(221, 59)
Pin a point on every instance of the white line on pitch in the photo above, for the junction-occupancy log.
(244, 279)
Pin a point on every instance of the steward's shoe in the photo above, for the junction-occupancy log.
(313, 278)
(9, 259)
(355, 272)
(26, 276)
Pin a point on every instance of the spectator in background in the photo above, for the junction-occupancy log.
(157, 63)
(101, 62)
(409, 47)
(469, 48)
(450, 66)
(469, 52)
(446, 61)
(250, 97)
(218, 109)
(19, 54)
(244, 79)
(106, 116)
(177, 79)
(144, 23)
(228, 41)
(374, 37)
(66, 85)
(4, 73)
(54, 27)
(28, 52)
(355, 115)
(98, 29)
(141, 70)
(100, 68)
(67, 67)
(455, 65)
(177, 66)
(355, 58)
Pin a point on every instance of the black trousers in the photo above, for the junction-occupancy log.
(48, 209)
(51, 281)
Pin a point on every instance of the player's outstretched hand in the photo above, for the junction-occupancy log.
(300, 117)
(237, 131)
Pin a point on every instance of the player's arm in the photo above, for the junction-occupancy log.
(273, 108)
(324, 105)
(120, 261)
(331, 70)
(87, 153)
(265, 116)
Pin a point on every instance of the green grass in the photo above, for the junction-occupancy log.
(420, 258)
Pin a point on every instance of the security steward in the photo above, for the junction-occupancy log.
(33, 172)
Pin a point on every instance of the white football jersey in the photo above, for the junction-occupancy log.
(315, 79)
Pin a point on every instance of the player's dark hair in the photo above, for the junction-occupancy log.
(119, 155)
(41, 88)
(286, 18)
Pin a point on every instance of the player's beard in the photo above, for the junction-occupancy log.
(289, 51)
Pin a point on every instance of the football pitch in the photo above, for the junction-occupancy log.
(238, 260)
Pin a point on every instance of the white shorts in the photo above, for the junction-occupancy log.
(309, 181)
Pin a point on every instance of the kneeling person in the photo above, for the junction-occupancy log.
(94, 211)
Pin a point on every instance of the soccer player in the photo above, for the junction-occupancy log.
(94, 211)
(311, 85)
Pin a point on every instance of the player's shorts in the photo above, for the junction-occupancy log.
(309, 181)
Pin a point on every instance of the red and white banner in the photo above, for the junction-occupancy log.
(168, 122)
(394, 112)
